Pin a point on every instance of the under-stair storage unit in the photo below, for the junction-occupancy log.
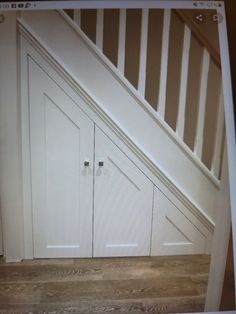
(69, 219)
(88, 197)
(99, 171)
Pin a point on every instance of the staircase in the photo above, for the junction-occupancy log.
(182, 90)
(166, 115)
(174, 68)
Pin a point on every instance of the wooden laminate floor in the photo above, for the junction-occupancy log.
(109, 285)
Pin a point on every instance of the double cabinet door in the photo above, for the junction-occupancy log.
(88, 198)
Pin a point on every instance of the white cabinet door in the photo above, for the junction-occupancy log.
(61, 139)
(122, 203)
(172, 232)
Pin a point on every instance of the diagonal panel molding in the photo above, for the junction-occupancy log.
(178, 230)
(124, 174)
(172, 232)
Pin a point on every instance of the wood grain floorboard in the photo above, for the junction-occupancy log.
(162, 305)
(110, 285)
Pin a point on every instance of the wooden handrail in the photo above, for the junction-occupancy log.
(200, 36)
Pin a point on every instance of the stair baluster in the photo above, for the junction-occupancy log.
(209, 53)
(143, 53)
(121, 41)
(183, 83)
(99, 29)
(219, 138)
(164, 63)
(202, 104)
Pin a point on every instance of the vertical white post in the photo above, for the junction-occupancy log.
(164, 63)
(202, 104)
(183, 82)
(77, 17)
(10, 144)
(143, 52)
(121, 41)
(99, 29)
(216, 162)
(220, 242)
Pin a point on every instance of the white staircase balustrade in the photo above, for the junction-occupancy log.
(207, 55)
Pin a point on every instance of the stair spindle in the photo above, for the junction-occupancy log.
(183, 83)
(164, 62)
(202, 104)
(143, 52)
(217, 155)
(121, 41)
(99, 29)
(77, 17)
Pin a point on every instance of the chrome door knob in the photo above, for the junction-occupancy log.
(86, 163)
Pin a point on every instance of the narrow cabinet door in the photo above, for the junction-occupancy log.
(122, 204)
(62, 140)
(172, 232)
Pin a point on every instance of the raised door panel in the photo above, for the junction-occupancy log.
(61, 139)
(122, 203)
(172, 231)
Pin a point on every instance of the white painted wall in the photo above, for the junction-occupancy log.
(117, 101)
(10, 188)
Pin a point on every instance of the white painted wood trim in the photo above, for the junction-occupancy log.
(202, 104)
(99, 29)
(10, 130)
(216, 162)
(121, 41)
(143, 52)
(98, 115)
(26, 160)
(183, 82)
(142, 102)
(229, 123)
(220, 242)
(164, 63)
(77, 17)
(167, 216)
